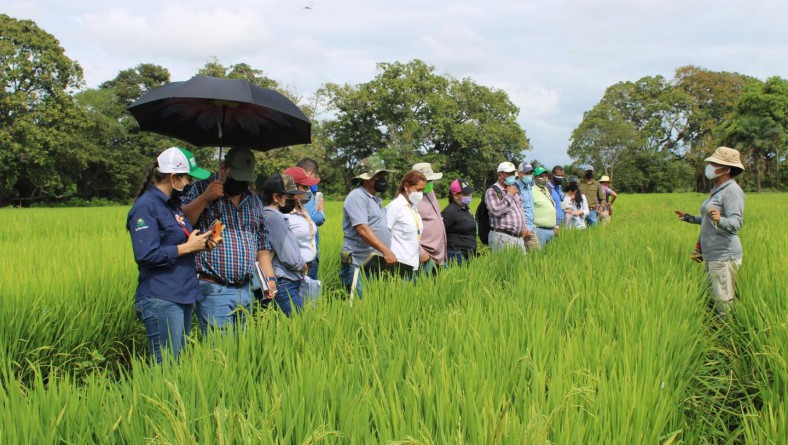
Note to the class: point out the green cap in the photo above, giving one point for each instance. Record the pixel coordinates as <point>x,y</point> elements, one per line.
<point>369,167</point>
<point>241,162</point>
<point>539,171</point>
<point>180,160</point>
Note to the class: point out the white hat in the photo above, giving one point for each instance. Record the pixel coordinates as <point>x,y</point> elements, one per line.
<point>506,167</point>
<point>426,169</point>
<point>726,156</point>
<point>179,160</point>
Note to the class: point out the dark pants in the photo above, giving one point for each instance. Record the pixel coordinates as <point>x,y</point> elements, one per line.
<point>166,325</point>
<point>313,268</point>
<point>288,295</point>
<point>458,256</point>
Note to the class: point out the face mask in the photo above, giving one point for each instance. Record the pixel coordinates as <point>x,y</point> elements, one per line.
<point>313,188</point>
<point>711,172</point>
<point>289,206</point>
<point>233,187</point>
<point>466,200</point>
<point>306,197</point>
<point>541,182</point>
<point>179,193</point>
<point>573,187</point>
<point>415,197</point>
<point>428,188</point>
<point>510,180</point>
<point>381,185</point>
<point>558,180</point>
<point>589,175</point>
<point>528,179</point>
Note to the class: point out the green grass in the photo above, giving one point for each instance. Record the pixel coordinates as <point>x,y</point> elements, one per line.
<point>601,338</point>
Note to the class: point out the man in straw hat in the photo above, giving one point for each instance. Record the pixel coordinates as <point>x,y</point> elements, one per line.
<point>721,217</point>
<point>364,222</point>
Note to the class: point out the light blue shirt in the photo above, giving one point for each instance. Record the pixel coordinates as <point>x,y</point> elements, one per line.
<point>558,198</point>
<point>528,203</point>
<point>362,207</point>
<point>317,217</point>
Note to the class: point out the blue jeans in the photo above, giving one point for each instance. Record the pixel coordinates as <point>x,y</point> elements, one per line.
<point>544,235</point>
<point>221,305</point>
<point>346,275</point>
<point>591,219</point>
<point>166,324</point>
<point>288,294</point>
<point>313,268</point>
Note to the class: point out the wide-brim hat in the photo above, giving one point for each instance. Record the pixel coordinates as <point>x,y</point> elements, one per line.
<point>604,178</point>
<point>726,156</point>
<point>426,169</point>
<point>369,167</point>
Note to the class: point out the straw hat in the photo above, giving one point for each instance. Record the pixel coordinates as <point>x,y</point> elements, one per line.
<point>726,156</point>
<point>604,178</point>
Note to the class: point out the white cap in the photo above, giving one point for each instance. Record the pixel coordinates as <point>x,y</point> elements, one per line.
<point>426,169</point>
<point>506,167</point>
<point>179,160</point>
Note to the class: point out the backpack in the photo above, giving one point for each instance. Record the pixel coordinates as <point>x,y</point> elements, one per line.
<point>483,217</point>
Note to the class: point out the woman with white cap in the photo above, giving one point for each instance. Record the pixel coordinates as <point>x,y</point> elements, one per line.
<point>164,248</point>
<point>721,217</point>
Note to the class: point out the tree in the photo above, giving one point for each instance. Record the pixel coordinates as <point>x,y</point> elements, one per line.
<point>604,138</point>
<point>39,149</point>
<point>410,114</point>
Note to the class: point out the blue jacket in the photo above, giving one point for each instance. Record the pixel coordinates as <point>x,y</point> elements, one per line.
<point>558,198</point>
<point>157,226</point>
<point>317,217</point>
<point>528,203</point>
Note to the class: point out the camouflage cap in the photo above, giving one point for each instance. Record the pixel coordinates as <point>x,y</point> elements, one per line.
<point>369,167</point>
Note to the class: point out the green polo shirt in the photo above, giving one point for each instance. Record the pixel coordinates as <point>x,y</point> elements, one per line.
<point>544,208</point>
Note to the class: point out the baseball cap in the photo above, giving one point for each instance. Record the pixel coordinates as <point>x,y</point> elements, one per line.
<point>180,160</point>
<point>525,167</point>
<point>506,167</point>
<point>300,177</point>
<point>572,179</point>
<point>587,167</point>
<point>369,167</point>
<point>241,162</point>
<point>426,169</point>
<point>539,171</point>
<point>460,186</point>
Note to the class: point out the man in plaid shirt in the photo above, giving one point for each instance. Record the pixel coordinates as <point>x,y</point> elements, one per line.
<point>226,271</point>
<point>507,217</point>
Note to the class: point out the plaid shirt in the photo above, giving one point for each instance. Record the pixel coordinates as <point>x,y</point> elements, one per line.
<point>506,213</point>
<point>244,234</point>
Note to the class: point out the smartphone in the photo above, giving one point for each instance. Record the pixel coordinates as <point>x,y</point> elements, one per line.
<point>212,224</point>
<point>318,196</point>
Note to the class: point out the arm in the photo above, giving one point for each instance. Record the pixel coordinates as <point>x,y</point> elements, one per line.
<point>369,237</point>
<point>498,207</point>
<point>319,217</point>
<point>265,258</point>
<point>145,240</point>
<point>585,211</point>
<point>198,199</point>
<point>686,217</point>
<point>733,216</point>
<point>613,196</point>
<point>283,244</point>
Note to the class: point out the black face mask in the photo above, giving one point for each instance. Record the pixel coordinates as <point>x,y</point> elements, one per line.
<point>381,185</point>
<point>290,204</point>
<point>573,187</point>
<point>589,175</point>
<point>233,187</point>
<point>557,180</point>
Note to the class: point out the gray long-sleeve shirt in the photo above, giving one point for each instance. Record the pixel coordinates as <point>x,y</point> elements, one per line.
<point>720,242</point>
<point>287,260</point>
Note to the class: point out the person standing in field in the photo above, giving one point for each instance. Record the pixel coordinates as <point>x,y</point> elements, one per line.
<point>364,222</point>
<point>575,206</point>
<point>524,183</point>
<point>507,218</point>
<point>433,239</point>
<point>279,198</point>
<point>721,217</point>
<point>610,197</point>
<point>592,190</point>
<point>405,223</point>
<point>164,248</point>
<point>556,178</point>
<point>315,206</point>
<point>545,212</point>
<point>302,225</point>
<point>460,223</point>
<point>225,272</point>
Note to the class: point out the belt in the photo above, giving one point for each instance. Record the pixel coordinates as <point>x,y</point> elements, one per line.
<point>212,279</point>
<point>507,232</point>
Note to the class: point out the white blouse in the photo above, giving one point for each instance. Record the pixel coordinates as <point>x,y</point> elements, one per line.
<point>304,230</point>
<point>571,221</point>
<point>406,226</point>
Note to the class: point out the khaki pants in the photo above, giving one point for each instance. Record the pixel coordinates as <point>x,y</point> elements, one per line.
<point>604,217</point>
<point>532,242</point>
<point>722,282</point>
<point>500,241</point>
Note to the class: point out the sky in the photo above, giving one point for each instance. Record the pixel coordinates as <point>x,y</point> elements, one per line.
<point>554,58</point>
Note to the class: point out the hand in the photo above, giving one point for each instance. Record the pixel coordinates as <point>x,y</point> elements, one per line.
<point>512,190</point>
<point>321,205</point>
<point>211,244</point>
<point>271,290</point>
<point>680,214</point>
<point>577,213</point>
<point>555,231</point>
<point>305,269</point>
<point>424,257</point>
<point>389,257</point>
<point>196,241</point>
<point>214,190</point>
<point>715,215</point>
<point>526,233</point>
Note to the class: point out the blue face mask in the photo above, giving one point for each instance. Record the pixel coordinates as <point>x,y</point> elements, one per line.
<point>510,180</point>
<point>313,188</point>
<point>528,179</point>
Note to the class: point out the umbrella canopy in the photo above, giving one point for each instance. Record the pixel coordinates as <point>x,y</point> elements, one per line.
<point>209,111</point>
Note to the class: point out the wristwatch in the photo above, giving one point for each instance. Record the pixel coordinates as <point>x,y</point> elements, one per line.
<point>270,278</point>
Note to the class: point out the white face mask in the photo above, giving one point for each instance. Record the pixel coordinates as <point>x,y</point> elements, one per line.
<point>711,172</point>
<point>415,197</point>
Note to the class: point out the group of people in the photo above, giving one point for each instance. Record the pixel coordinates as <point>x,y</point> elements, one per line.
<point>270,241</point>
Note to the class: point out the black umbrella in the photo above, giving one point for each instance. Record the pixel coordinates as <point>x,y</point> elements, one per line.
<point>209,111</point>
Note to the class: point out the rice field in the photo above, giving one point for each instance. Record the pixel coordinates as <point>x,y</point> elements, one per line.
<point>603,338</point>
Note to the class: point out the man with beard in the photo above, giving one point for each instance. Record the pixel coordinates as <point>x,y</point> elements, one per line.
<point>592,190</point>
<point>226,271</point>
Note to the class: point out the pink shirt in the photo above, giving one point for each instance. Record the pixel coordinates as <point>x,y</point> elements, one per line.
<point>433,240</point>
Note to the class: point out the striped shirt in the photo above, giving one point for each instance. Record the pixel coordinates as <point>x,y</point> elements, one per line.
<point>244,235</point>
<point>506,213</point>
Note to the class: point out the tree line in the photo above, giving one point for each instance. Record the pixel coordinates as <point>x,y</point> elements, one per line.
<point>63,143</point>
